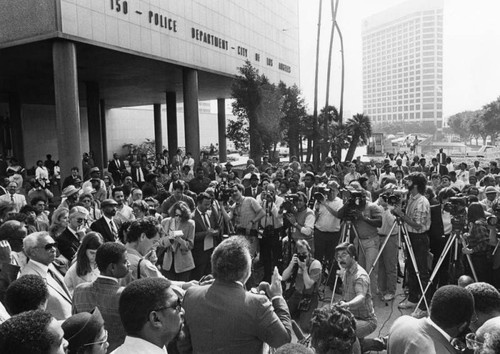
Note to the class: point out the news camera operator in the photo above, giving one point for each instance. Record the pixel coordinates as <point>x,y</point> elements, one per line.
<point>327,225</point>
<point>387,263</point>
<point>366,218</point>
<point>418,220</point>
<point>245,215</point>
<point>301,218</point>
<point>478,243</point>
<point>271,229</point>
<point>304,272</point>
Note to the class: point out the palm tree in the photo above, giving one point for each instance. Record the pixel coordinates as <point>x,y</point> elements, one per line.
<point>360,129</point>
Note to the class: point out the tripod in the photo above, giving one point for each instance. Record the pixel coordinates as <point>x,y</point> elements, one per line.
<point>457,234</point>
<point>403,232</point>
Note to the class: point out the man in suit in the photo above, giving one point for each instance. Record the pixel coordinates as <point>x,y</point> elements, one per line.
<point>437,168</point>
<point>200,182</point>
<point>138,173</point>
<point>4,182</point>
<point>309,189</point>
<point>69,241</point>
<point>441,157</point>
<point>205,236</point>
<point>106,225</point>
<point>41,249</point>
<point>451,311</point>
<point>17,200</point>
<point>254,189</point>
<point>104,293</point>
<point>399,167</point>
<point>245,320</point>
<point>116,167</point>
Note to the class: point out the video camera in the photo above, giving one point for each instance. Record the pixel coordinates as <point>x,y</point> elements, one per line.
<point>288,205</point>
<point>223,191</point>
<point>353,200</point>
<point>394,198</point>
<point>457,207</point>
<point>322,193</point>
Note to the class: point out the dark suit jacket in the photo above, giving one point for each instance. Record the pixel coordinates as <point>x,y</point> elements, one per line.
<point>310,202</point>
<point>409,335</point>
<point>133,173</point>
<point>116,171</point>
<point>103,228</point>
<point>405,169</point>
<point>59,304</point>
<point>201,231</point>
<point>68,244</point>
<point>70,181</point>
<point>225,318</point>
<point>248,191</point>
<point>104,294</point>
<point>442,170</point>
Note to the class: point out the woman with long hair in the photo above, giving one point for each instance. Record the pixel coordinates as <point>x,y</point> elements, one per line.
<point>84,269</point>
<point>178,241</point>
<point>478,243</point>
<point>59,222</point>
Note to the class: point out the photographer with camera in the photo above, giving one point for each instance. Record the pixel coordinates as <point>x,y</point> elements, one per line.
<point>366,217</point>
<point>301,218</point>
<point>271,229</point>
<point>418,221</point>
<point>245,214</point>
<point>478,243</point>
<point>327,225</point>
<point>304,272</point>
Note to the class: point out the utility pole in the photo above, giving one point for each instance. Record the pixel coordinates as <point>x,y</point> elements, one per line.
<point>315,112</point>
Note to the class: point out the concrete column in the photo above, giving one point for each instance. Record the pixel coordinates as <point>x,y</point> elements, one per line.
<point>221,119</point>
<point>173,142</point>
<point>191,117</point>
<point>67,105</point>
<point>16,128</point>
<point>94,123</point>
<point>158,132</point>
<point>102,107</point>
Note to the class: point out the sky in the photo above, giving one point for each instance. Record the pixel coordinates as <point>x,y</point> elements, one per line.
<point>471,54</point>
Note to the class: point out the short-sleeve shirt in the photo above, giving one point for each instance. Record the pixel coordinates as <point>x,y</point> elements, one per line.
<point>244,211</point>
<point>419,210</point>
<point>356,279</point>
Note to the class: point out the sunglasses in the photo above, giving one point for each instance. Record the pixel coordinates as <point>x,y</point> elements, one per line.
<point>80,220</point>
<point>49,246</point>
<point>177,306</point>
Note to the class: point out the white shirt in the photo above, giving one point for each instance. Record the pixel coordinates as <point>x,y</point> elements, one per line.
<point>325,221</point>
<point>134,345</point>
<point>17,200</point>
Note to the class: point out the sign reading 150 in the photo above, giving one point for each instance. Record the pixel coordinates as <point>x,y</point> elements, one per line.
<point>119,6</point>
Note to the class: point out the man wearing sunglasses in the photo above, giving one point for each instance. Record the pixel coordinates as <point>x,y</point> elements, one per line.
<point>41,250</point>
<point>69,241</point>
<point>152,315</point>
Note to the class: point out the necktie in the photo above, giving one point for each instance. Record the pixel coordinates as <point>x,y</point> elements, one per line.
<point>12,198</point>
<point>118,163</point>
<point>254,192</point>
<point>206,221</point>
<point>113,228</point>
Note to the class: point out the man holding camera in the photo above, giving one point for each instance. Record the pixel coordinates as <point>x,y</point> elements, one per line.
<point>302,220</point>
<point>327,225</point>
<point>418,221</point>
<point>367,217</point>
<point>272,228</point>
<point>245,214</point>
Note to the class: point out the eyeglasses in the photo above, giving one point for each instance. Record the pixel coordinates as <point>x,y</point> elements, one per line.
<point>177,306</point>
<point>101,342</point>
<point>49,246</point>
<point>341,255</point>
<point>80,220</point>
<point>472,343</point>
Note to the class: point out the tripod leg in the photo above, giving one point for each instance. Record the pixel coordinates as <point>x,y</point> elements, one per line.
<point>414,262</point>
<point>446,249</point>
<point>334,288</point>
<point>382,248</point>
<point>464,244</point>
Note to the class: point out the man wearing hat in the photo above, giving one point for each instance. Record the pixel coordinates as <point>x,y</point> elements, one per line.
<point>85,330</point>
<point>106,225</point>
<point>69,197</point>
<point>95,174</point>
<point>254,189</point>
<point>491,194</point>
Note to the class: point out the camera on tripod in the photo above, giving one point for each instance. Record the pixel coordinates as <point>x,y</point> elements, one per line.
<point>288,205</point>
<point>354,200</point>
<point>321,194</point>
<point>457,207</point>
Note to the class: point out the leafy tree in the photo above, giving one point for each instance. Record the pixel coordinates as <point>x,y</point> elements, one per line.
<point>294,111</point>
<point>475,124</point>
<point>360,130</point>
<point>237,132</point>
<point>491,118</point>
<point>258,103</point>
<point>458,123</point>
<point>326,118</point>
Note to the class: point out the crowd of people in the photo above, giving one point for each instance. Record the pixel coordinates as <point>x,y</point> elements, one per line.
<point>200,257</point>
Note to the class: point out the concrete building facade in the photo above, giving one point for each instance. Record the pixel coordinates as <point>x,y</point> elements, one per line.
<point>403,63</point>
<point>64,64</point>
